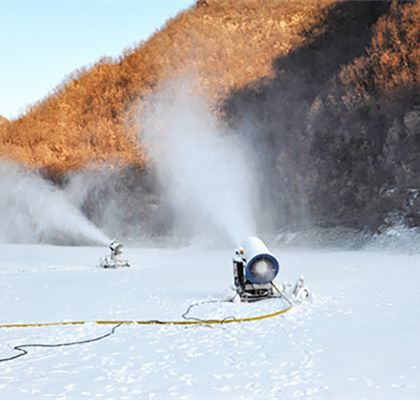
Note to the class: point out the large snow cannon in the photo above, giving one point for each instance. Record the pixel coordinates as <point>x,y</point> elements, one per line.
<point>254,269</point>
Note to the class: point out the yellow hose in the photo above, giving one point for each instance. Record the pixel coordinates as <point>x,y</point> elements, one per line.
<point>152,322</point>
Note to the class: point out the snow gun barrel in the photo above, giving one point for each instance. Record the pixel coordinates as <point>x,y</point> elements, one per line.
<point>261,266</point>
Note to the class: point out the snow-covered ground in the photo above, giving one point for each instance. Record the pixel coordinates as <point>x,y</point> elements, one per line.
<point>359,338</point>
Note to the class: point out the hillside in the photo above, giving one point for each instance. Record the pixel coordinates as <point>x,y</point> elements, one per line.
<point>325,93</point>
<point>3,120</point>
<point>226,44</point>
<point>339,124</point>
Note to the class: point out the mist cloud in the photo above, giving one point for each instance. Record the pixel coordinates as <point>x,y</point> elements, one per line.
<point>32,210</point>
<point>204,170</point>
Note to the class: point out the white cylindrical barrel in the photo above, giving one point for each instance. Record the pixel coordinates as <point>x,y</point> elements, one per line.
<point>260,264</point>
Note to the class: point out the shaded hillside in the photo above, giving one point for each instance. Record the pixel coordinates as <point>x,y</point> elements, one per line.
<point>226,45</point>
<point>366,131</point>
<point>339,125</point>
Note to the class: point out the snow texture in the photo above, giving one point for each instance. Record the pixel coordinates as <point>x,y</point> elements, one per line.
<point>358,339</point>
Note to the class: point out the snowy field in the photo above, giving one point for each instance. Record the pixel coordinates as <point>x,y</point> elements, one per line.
<point>358,339</point>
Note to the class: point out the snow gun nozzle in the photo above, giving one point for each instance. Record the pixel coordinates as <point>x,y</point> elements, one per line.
<point>254,269</point>
<point>116,247</point>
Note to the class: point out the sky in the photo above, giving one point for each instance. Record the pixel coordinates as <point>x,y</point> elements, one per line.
<point>41,42</point>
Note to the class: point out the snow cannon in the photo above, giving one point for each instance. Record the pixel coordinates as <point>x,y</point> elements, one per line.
<point>254,269</point>
<point>114,259</point>
<point>116,248</point>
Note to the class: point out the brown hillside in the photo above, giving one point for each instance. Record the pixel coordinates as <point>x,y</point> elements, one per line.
<point>3,120</point>
<point>227,44</point>
<point>391,62</point>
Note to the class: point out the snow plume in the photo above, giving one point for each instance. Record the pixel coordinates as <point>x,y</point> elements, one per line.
<point>204,169</point>
<point>120,200</point>
<point>33,210</point>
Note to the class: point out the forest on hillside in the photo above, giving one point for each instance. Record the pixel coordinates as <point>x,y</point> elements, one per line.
<point>325,92</point>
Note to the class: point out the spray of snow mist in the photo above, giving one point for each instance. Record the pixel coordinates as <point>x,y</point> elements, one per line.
<point>33,210</point>
<point>203,168</point>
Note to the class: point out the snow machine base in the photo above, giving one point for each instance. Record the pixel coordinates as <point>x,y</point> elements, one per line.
<point>252,293</point>
<point>113,265</point>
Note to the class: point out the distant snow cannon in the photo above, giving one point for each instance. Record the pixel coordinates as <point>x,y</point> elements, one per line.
<point>114,259</point>
<point>254,269</point>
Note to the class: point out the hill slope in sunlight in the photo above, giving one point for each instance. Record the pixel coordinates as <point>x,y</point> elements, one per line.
<point>91,116</point>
